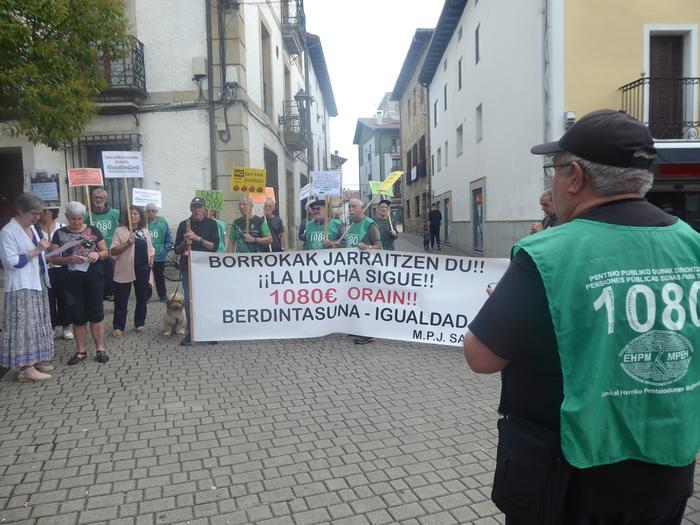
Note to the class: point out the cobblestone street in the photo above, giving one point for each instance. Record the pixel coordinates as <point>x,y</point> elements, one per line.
<point>266,433</point>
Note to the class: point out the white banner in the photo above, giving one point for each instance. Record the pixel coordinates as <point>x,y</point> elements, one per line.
<point>141,197</point>
<point>394,295</point>
<point>304,192</point>
<point>327,182</point>
<point>120,164</point>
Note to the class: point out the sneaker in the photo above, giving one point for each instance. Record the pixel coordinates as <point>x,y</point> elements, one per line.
<point>102,357</point>
<point>44,367</point>
<point>67,334</point>
<point>186,341</point>
<point>58,332</point>
<point>116,332</point>
<point>31,374</point>
<point>77,358</point>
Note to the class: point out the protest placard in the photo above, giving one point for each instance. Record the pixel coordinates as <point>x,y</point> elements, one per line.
<point>374,186</point>
<point>260,199</point>
<point>142,197</point>
<point>304,192</point>
<point>405,296</point>
<point>387,183</point>
<point>44,183</point>
<point>213,199</point>
<point>327,182</point>
<point>122,164</point>
<point>84,177</point>
<point>248,180</point>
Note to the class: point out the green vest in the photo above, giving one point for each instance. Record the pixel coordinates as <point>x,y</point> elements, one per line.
<point>624,305</point>
<point>315,232</point>
<point>107,223</point>
<point>357,232</point>
<point>157,230</point>
<point>222,236</point>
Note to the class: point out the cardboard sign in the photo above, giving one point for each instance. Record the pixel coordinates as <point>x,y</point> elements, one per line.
<point>84,177</point>
<point>260,199</point>
<point>121,164</point>
<point>248,180</point>
<point>213,199</point>
<point>141,197</point>
<point>327,182</point>
<point>374,185</point>
<point>304,192</point>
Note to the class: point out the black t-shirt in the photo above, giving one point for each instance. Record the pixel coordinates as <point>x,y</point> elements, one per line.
<point>207,229</point>
<point>532,385</point>
<point>277,230</point>
<point>89,238</point>
<point>434,218</point>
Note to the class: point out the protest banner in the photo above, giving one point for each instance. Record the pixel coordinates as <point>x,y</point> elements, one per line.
<point>327,182</point>
<point>304,192</point>
<point>85,177</point>
<point>404,296</point>
<point>374,187</point>
<point>122,164</point>
<point>45,184</point>
<point>248,180</point>
<point>142,197</point>
<point>213,199</point>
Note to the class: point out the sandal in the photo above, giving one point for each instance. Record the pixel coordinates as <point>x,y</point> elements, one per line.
<point>140,329</point>
<point>116,333</point>
<point>78,357</point>
<point>101,356</point>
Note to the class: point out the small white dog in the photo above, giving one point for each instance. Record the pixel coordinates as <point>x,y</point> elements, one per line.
<point>174,320</point>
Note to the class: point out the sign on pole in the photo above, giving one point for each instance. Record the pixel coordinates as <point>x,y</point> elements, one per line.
<point>248,180</point>
<point>327,182</point>
<point>387,184</point>
<point>142,197</point>
<point>84,177</point>
<point>260,199</point>
<point>121,164</point>
<point>304,192</point>
<point>213,199</point>
<point>374,186</point>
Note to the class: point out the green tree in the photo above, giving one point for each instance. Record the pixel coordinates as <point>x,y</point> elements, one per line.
<point>49,71</point>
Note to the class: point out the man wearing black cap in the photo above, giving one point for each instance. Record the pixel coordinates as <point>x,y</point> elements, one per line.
<point>203,234</point>
<point>594,328</point>
<point>315,235</point>
<point>387,232</point>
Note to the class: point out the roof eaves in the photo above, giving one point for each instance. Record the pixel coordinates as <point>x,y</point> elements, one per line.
<point>318,60</point>
<point>420,40</point>
<point>449,18</point>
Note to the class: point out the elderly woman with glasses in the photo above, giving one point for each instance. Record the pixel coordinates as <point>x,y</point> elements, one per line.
<point>85,280</point>
<point>27,338</point>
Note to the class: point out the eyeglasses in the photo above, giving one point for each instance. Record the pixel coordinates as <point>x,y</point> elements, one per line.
<point>550,169</point>
<point>315,209</point>
<point>151,211</point>
<point>35,213</point>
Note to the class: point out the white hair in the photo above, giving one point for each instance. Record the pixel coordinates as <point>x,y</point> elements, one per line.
<point>74,209</point>
<point>613,180</point>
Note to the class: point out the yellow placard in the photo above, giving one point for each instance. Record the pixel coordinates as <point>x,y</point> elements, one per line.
<point>386,185</point>
<point>248,180</point>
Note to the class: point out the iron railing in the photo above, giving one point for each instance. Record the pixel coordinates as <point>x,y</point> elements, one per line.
<point>667,105</point>
<point>293,25</point>
<point>126,75</point>
<point>293,124</point>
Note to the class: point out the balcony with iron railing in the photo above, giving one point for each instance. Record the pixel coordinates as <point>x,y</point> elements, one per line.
<point>293,125</point>
<point>125,75</point>
<point>293,26</point>
<point>668,106</point>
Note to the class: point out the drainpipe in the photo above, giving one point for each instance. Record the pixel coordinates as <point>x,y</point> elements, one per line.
<point>210,99</point>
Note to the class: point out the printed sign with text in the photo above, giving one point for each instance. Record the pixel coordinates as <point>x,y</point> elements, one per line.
<point>248,180</point>
<point>121,164</point>
<point>84,177</point>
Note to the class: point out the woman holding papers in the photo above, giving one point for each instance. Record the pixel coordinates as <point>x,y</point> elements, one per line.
<point>133,254</point>
<point>83,251</point>
<point>27,339</point>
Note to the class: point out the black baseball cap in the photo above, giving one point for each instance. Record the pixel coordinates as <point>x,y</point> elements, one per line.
<point>317,202</point>
<point>197,201</point>
<point>385,201</point>
<point>608,137</point>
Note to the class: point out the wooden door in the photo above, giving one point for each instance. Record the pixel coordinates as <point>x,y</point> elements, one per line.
<point>666,87</point>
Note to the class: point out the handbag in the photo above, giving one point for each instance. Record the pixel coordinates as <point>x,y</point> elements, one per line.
<point>532,475</point>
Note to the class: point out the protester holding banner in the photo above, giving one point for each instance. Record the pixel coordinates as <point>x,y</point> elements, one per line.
<point>84,279</point>
<point>316,229</point>
<point>593,327</point>
<point>362,232</point>
<point>162,241</point>
<point>26,340</point>
<point>60,320</point>
<point>387,232</point>
<point>249,233</point>
<point>276,226</point>
<point>202,235</point>
<point>106,220</point>
<point>133,254</point>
